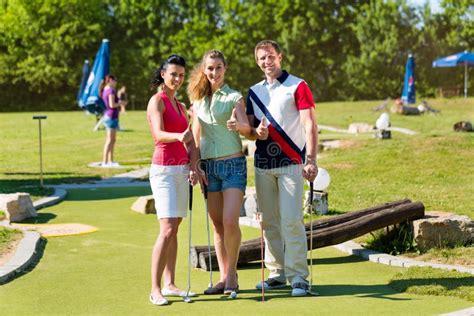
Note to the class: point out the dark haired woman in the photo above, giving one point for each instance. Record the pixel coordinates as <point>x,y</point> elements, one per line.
<point>219,117</point>
<point>111,119</point>
<point>173,164</point>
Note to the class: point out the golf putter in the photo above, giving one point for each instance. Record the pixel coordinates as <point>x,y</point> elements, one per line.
<point>258,217</point>
<point>186,298</point>
<point>208,237</point>
<point>310,290</point>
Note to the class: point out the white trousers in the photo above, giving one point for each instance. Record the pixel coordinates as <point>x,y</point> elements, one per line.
<point>279,198</point>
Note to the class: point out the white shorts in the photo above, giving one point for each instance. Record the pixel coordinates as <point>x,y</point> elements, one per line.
<point>170,188</point>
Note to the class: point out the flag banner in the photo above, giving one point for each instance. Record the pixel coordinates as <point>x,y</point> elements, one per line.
<point>90,99</point>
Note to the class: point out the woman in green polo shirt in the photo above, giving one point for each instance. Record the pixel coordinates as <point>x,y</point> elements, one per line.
<point>219,117</point>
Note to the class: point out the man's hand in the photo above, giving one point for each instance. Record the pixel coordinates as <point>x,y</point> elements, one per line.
<point>310,170</point>
<point>262,129</point>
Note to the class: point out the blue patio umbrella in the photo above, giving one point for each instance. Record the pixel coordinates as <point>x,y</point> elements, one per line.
<point>85,75</point>
<point>460,59</point>
<point>409,93</point>
<point>90,98</point>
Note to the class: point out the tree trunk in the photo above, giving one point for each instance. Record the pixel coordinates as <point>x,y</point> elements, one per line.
<point>332,235</point>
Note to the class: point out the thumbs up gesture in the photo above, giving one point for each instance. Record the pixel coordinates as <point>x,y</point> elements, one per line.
<point>262,129</point>
<point>187,135</point>
<point>232,123</point>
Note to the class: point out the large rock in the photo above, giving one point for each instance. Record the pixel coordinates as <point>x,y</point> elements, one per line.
<point>144,205</point>
<point>356,128</point>
<point>440,229</point>
<point>320,202</point>
<point>17,206</point>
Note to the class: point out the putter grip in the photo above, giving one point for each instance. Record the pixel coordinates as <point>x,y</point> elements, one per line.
<point>204,169</point>
<point>190,197</point>
<point>204,187</point>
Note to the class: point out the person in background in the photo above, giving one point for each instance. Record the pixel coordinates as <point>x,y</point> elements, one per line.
<point>219,117</point>
<point>123,98</point>
<point>173,165</point>
<point>110,120</point>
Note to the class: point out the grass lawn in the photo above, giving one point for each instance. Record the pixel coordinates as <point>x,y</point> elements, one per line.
<point>7,236</point>
<point>434,167</point>
<point>107,272</point>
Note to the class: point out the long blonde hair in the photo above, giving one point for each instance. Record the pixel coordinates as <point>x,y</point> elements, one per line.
<point>198,86</point>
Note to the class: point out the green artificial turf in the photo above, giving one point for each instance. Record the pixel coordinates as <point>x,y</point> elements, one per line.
<point>107,272</point>
<point>430,281</point>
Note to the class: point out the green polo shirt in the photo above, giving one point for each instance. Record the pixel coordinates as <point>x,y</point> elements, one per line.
<point>216,140</point>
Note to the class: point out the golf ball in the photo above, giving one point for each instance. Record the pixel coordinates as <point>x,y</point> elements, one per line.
<point>233,295</point>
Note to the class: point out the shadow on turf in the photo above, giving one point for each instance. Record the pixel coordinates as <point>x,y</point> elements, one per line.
<point>316,261</point>
<point>42,218</point>
<point>106,193</point>
<point>16,185</point>
<point>446,283</point>
<point>381,291</point>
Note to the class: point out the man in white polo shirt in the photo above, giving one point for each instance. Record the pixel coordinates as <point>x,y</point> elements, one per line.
<point>281,112</point>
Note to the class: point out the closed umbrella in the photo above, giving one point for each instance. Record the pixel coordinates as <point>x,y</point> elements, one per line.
<point>460,59</point>
<point>409,93</point>
<point>90,98</point>
<point>85,75</point>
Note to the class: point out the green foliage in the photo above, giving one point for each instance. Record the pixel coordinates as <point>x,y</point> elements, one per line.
<point>35,192</point>
<point>393,240</point>
<point>353,49</point>
<point>385,32</point>
<point>7,235</point>
<point>430,281</point>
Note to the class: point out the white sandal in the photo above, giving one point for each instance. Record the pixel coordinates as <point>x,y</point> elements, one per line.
<point>159,302</point>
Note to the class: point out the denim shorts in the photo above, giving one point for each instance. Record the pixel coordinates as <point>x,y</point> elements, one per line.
<point>111,123</point>
<point>226,174</point>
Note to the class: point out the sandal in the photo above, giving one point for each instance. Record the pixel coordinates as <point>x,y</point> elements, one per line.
<point>215,290</point>
<point>229,290</point>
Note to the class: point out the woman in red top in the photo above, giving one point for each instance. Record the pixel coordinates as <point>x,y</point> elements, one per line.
<point>172,166</point>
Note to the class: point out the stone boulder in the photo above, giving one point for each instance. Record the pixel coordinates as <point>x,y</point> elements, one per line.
<point>441,229</point>
<point>356,128</point>
<point>144,205</point>
<point>17,206</point>
<point>320,202</point>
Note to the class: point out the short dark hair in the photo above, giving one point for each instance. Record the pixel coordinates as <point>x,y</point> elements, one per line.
<point>266,43</point>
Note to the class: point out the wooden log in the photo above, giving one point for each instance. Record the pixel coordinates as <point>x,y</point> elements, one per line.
<point>340,233</point>
<point>335,234</point>
<point>336,220</point>
<point>325,222</point>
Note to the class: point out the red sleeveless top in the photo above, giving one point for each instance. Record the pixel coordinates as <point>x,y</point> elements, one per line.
<point>173,153</point>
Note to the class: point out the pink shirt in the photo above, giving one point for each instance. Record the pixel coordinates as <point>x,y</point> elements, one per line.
<point>173,153</point>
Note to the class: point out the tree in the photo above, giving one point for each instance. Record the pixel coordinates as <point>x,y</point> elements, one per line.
<point>385,33</point>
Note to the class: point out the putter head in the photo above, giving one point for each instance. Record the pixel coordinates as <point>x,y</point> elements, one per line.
<point>312,293</point>
<point>187,299</point>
